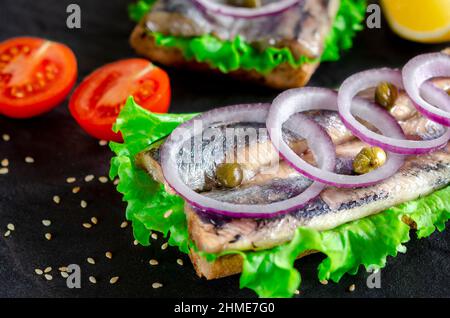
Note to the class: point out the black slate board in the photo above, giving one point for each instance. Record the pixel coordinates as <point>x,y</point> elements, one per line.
<point>61,150</point>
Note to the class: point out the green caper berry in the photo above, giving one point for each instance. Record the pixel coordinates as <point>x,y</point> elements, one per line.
<point>229,175</point>
<point>368,159</point>
<point>245,3</point>
<point>448,91</point>
<point>386,94</point>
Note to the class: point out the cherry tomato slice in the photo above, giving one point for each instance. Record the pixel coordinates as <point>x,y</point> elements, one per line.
<point>35,76</point>
<point>97,101</point>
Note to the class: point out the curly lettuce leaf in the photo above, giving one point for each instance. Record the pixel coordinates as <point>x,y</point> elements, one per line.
<point>237,54</point>
<point>139,9</point>
<point>367,242</point>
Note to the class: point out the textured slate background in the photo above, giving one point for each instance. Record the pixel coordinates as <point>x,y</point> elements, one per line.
<point>61,150</point>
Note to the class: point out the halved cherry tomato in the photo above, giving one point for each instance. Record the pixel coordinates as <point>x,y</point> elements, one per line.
<point>35,76</point>
<point>97,101</point>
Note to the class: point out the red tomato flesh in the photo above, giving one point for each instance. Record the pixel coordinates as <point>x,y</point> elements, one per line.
<point>97,101</point>
<point>35,76</point>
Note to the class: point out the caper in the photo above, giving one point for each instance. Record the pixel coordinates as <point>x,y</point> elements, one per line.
<point>245,3</point>
<point>386,94</point>
<point>229,175</point>
<point>368,159</point>
<point>448,91</point>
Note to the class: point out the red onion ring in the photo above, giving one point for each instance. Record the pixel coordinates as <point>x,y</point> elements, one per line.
<point>323,149</point>
<point>371,78</point>
<point>306,99</point>
<point>419,70</point>
<point>247,13</point>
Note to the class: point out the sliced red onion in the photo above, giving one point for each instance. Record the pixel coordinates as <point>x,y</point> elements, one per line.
<point>248,13</point>
<point>419,70</point>
<point>306,99</point>
<point>256,113</point>
<point>368,79</point>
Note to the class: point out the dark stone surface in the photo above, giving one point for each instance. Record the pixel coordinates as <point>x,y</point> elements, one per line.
<point>61,150</point>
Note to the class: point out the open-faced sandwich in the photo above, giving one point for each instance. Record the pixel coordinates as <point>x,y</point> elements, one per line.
<point>278,43</point>
<point>250,188</point>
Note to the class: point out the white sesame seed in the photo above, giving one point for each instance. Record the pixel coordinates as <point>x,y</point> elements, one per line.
<point>4,170</point>
<point>7,233</point>
<point>167,214</point>
<point>29,159</point>
<point>124,224</point>
<point>47,270</point>
<point>46,222</point>
<point>63,269</point>
<point>102,143</point>
<point>64,274</point>
<point>87,225</point>
<point>48,277</point>
<point>157,285</point>
<point>56,199</point>
<point>153,262</point>
<point>108,255</point>
<point>114,279</point>
<point>324,282</point>
<point>83,204</point>
<point>93,280</point>
<point>5,163</point>
<point>6,137</point>
<point>116,181</point>
<point>90,260</point>
<point>297,292</point>
<point>352,288</point>
<point>94,220</point>
<point>180,262</point>
<point>89,178</point>
<point>38,271</point>
<point>71,180</point>
<point>103,179</point>
<point>48,236</point>
<point>75,190</point>
<point>135,242</point>
<point>11,227</point>
<point>164,246</point>
<point>154,236</point>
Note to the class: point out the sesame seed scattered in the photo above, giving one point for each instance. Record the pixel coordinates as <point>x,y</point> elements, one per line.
<point>83,204</point>
<point>47,270</point>
<point>75,190</point>
<point>297,292</point>
<point>153,262</point>
<point>7,233</point>
<point>90,260</point>
<point>48,277</point>
<point>93,280</point>
<point>5,163</point>
<point>167,214</point>
<point>56,199</point>
<point>135,242</point>
<point>180,262</point>
<point>324,282</point>
<point>94,220</point>
<point>48,236</point>
<point>116,182</point>
<point>103,179</point>
<point>352,288</point>
<point>71,180</point>
<point>63,269</point>
<point>38,271</point>
<point>154,236</point>
<point>46,222</point>
<point>11,227</point>
<point>6,137</point>
<point>164,246</point>
<point>4,170</point>
<point>157,285</point>
<point>64,274</point>
<point>29,159</point>
<point>124,224</point>
<point>102,143</point>
<point>114,279</point>
<point>89,178</point>
<point>87,225</point>
<point>108,255</point>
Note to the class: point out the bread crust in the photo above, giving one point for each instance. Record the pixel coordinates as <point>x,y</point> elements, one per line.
<point>283,76</point>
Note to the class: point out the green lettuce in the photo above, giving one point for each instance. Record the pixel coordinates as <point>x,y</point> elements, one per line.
<point>367,242</point>
<point>237,54</point>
